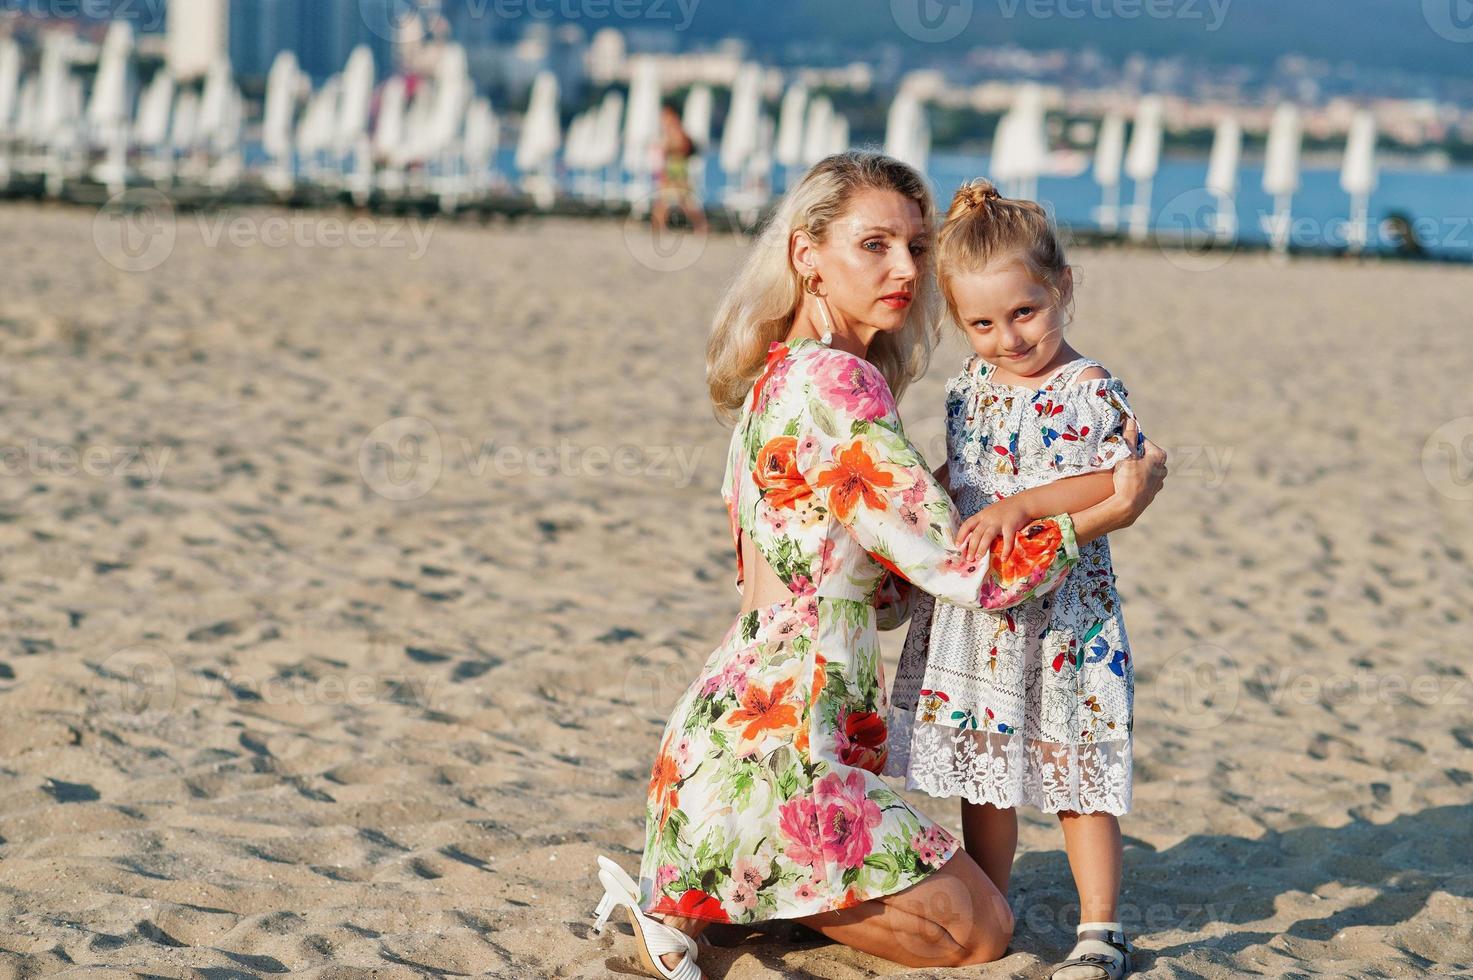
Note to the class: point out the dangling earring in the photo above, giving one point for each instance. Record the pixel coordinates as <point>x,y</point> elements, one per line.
<point>810,285</point>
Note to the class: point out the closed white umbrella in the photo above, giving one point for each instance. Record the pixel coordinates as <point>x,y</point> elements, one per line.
<point>151,128</point>
<point>1222,173</point>
<point>1141,160</point>
<point>10,66</point>
<point>696,116</point>
<point>1281,172</point>
<point>791,130</point>
<point>642,128</point>
<point>818,131</point>
<point>480,142</point>
<point>110,110</point>
<point>282,85</point>
<point>740,136</point>
<point>907,132</point>
<point>604,149</point>
<point>540,139</point>
<point>1108,163</point>
<point>838,133</point>
<point>1358,174</point>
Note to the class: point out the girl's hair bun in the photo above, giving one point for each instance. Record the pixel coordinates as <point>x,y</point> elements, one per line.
<point>972,196</point>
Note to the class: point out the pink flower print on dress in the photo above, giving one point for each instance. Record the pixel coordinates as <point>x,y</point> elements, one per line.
<point>961,564</point>
<point>664,875</point>
<point>805,892</point>
<point>803,844</point>
<point>749,872</point>
<point>848,814</point>
<point>855,385</point>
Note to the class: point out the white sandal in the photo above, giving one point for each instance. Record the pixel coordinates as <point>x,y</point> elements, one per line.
<point>1101,952</point>
<point>627,882</point>
<point>655,938</point>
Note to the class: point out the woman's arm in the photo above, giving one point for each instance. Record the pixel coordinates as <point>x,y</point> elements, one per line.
<point>853,453</point>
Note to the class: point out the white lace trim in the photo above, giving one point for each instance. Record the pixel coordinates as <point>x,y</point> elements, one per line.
<point>1009,770</point>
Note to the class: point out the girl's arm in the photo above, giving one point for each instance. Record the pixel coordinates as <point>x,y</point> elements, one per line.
<point>852,452</point>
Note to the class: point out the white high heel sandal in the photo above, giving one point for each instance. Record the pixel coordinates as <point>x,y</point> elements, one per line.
<point>655,939</point>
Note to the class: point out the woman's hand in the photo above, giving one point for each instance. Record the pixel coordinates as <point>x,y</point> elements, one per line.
<point>1139,479</point>
<point>1003,519</point>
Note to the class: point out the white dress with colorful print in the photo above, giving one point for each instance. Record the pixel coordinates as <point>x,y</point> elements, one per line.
<point>765,800</point>
<point>1034,706</point>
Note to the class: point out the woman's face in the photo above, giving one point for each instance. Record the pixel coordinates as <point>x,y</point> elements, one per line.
<point>869,268</point>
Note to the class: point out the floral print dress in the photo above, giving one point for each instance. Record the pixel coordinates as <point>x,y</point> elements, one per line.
<point>1034,706</point>
<point>765,800</point>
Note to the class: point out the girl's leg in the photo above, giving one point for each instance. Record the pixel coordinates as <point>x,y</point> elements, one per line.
<point>991,837</point>
<point>1093,843</point>
<point>954,916</point>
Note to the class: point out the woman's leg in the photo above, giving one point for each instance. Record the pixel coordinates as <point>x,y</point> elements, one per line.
<point>1093,843</point>
<point>991,836</point>
<point>691,927</point>
<point>954,916</point>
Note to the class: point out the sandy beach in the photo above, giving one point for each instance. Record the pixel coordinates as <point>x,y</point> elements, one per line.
<point>348,581</point>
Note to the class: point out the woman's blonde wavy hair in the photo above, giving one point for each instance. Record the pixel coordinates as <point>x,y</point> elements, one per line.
<point>762,299</point>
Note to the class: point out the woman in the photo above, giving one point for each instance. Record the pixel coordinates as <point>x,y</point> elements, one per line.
<point>764,801</point>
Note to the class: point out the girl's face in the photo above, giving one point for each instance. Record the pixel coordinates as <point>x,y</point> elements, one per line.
<point>1012,320</point>
<point>872,262</point>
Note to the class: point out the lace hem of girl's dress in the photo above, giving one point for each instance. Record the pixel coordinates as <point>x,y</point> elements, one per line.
<point>1009,770</point>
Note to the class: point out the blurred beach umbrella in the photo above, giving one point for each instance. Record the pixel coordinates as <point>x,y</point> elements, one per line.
<point>642,130</point>
<point>1020,144</point>
<point>1281,172</point>
<point>1141,160</point>
<point>817,131</point>
<point>439,139</point>
<point>388,134</point>
<point>907,130</point>
<point>792,131</point>
<point>10,69</point>
<point>110,110</point>
<point>1108,162</point>
<point>696,116</point>
<point>540,139</point>
<point>315,130</point>
<point>1222,174</point>
<point>604,151</point>
<point>580,152</point>
<point>10,66</point>
<point>1358,174</point>
<point>151,128</point>
<point>838,133</point>
<point>739,136</point>
<point>217,135</point>
<point>283,83</point>
<point>53,129</point>
<point>700,106</point>
<point>183,121</point>
<point>351,147</point>
<point>482,137</point>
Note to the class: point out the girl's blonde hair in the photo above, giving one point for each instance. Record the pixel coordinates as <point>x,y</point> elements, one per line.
<point>761,301</point>
<point>981,226</point>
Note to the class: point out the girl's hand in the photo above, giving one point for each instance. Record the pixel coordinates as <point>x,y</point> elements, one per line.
<point>1003,519</point>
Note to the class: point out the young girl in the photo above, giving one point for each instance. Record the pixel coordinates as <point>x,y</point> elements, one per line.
<point>1032,706</point>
